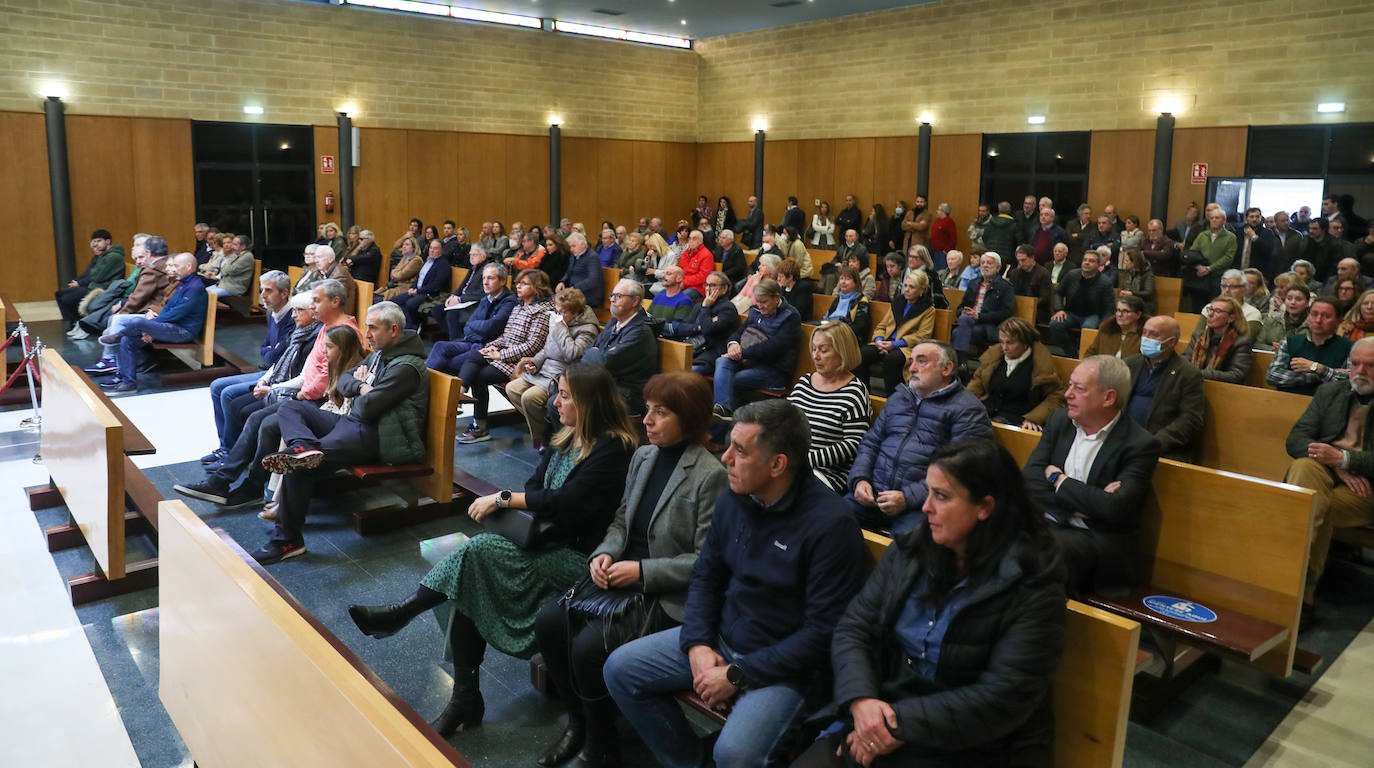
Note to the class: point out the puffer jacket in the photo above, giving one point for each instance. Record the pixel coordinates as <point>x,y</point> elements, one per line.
<point>778,349</point>
<point>895,453</point>
<point>989,702</point>
<point>563,347</point>
<point>708,329</point>
<point>398,402</point>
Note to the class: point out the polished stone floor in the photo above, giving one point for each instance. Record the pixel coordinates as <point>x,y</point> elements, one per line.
<point>100,661</point>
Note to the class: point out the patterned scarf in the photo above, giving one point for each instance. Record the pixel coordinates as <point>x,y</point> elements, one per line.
<point>1205,340</point>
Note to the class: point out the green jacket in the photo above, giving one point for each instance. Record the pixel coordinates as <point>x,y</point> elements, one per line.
<point>1325,420</point>
<point>398,402</point>
<point>104,268</point>
<point>1220,252</point>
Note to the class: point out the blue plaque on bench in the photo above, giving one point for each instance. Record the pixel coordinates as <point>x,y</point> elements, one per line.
<point>1178,608</point>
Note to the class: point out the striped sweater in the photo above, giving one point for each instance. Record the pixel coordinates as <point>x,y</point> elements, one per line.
<point>838,421</point>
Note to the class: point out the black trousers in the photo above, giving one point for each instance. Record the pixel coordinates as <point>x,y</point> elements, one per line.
<point>260,435</point>
<point>478,374</point>
<point>894,365</point>
<point>68,299</point>
<point>343,439</point>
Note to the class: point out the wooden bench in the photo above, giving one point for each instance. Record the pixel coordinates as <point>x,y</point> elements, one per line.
<point>609,276</point>
<point>200,355</point>
<point>1090,692</point>
<point>236,651</point>
<point>365,292</point>
<point>1168,291</point>
<point>674,356</point>
<point>1026,306</point>
<point>430,484</point>
<point>107,497</point>
<point>1190,547</point>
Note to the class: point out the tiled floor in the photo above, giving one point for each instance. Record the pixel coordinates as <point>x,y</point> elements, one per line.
<point>97,665</point>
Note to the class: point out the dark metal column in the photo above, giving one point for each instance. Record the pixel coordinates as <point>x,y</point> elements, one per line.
<point>1164,158</point>
<point>923,161</point>
<point>59,182</point>
<point>758,166</point>
<point>555,173</point>
<point>345,172</point>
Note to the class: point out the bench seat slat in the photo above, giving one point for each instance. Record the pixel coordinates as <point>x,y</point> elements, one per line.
<point>1234,634</point>
<point>383,471</point>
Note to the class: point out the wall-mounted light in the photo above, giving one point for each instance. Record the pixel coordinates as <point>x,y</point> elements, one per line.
<point>285,146</point>
<point>1331,106</point>
<point>760,124</point>
<point>992,153</point>
<point>926,119</point>
<point>555,120</point>
<point>1168,106</point>
<point>1036,120</point>
<point>252,110</point>
<point>51,89</point>
<point>348,109</point>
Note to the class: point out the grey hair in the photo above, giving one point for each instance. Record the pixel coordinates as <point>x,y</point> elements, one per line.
<point>770,260</point>
<point>576,237</point>
<point>310,248</point>
<point>1363,342</point>
<point>1155,221</point>
<point>783,429</point>
<point>367,234</point>
<point>947,353</point>
<point>500,269</point>
<point>1112,373</point>
<point>1004,207</point>
<point>388,312</point>
<point>631,287</point>
<point>1051,210</point>
<point>333,289</point>
<point>1303,263</point>
<point>726,234</point>
<point>141,235</point>
<point>997,257</point>
<point>1084,207</point>
<point>302,300</point>
<point>1233,274</point>
<point>1104,251</point>
<point>944,207</point>
<point>767,287</point>
<point>324,250</point>
<point>478,248</point>
<point>154,245</point>
<point>277,278</point>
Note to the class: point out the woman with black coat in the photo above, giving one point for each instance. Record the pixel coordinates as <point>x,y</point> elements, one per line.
<point>946,655</point>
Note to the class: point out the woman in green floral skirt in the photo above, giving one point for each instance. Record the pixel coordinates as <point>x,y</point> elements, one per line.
<point>496,587</point>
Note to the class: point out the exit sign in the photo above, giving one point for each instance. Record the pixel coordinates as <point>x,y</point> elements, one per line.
<point>327,164</point>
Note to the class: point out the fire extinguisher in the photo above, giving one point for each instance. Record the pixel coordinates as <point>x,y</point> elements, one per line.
<point>329,201</point>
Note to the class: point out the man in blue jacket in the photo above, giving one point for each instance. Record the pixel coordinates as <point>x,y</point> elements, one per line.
<point>487,322</point>
<point>988,301</point>
<point>763,353</point>
<point>584,271</point>
<point>780,562</point>
<point>887,484</point>
<point>180,320</point>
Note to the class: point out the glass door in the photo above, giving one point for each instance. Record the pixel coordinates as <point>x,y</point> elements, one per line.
<point>258,180</point>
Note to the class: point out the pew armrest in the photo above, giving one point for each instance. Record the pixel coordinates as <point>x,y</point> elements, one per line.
<point>1233,634</point>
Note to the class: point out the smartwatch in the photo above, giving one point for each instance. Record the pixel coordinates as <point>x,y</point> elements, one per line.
<point>503,499</point>
<point>734,675</point>
<point>1054,477</point>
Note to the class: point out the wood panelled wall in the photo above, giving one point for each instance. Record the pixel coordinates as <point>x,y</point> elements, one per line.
<point>622,180</point>
<point>1120,172</point>
<point>1223,149</point>
<point>28,267</point>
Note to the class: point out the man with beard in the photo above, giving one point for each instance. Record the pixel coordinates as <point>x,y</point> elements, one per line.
<point>916,224</point>
<point>849,218</point>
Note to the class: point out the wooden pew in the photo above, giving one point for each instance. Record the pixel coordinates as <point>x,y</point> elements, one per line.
<point>1086,337</point>
<point>609,276</point>
<point>201,352</point>
<point>249,677</point>
<point>1026,306</point>
<point>82,446</point>
<point>674,356</point>
<point>294,273</point>
<point>365,291</point>
<point>1168,291</point>
<point>1244,429</point>
<point>430,482</point>
<point>1187,323</point>
<point>1191,549</point>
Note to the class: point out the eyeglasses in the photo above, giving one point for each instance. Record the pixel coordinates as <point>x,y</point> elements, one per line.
<point>1231,286</point>
<point>618,296</point>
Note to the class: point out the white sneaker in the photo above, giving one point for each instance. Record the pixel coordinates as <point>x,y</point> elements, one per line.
<point>78,333</point>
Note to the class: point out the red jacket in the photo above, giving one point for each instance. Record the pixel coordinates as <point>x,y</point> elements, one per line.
<point>943,235</point>
<point>696,264</point>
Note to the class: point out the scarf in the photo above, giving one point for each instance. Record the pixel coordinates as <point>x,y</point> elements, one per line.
<point>1205,340</point>
<point>843,302</point>
<point>282,370</point>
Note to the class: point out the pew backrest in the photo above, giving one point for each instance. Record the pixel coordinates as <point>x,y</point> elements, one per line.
<point>445,392</point>
<point>1244,429</point>
<point>365,292</point>
<point>674,355</point>
<point>1168,292</point>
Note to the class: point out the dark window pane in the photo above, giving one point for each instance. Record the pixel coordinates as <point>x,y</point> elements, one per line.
<point>226,219</point>
<point>1286,151</point>
<point>1352,149</point>
<point>1062,152</point>
<point>287,187</point>
<point>290,227</point>
<point>222,142</point>
<point>1067,196</point>
<point>1008,153</point>
<point>997,189</point>
<point>285,144</point>
<point>225,187</point>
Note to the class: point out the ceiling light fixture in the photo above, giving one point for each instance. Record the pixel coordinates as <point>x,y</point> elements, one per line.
<point>1036,120</point>
<point>1331,106</point>
<point>252,110</point>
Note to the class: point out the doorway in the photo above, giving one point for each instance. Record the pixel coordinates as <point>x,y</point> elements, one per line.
<point>258,180</point>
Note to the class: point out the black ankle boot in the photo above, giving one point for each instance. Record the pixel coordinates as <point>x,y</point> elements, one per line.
<point>465,706</point>
<point>601,750</point>
<point>386,620</point>
<point>567,746</point>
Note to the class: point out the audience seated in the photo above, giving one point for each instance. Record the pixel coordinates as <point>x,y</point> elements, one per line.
<point>914,686</point>
<point>152,284</point>
<point>329,269</point>
<point>912,318</point>
<point>309,275</point>
<point>1032,280</point>
<point>487,321</point>
<point>779,562</point>
<point>851,306</point>
<point>1213,251</point>
<point>1082,300</point>
<point>956,274</point>
<point>1359,321</point>
<point>1256,292</point>
<point>557,255</point>
<point>673,303</point>
<point>1334,456</point>
<point>796,291</point>
<point>1119,335</point>
<point>631,261</point>
<point>1221,348</point>
<point>1304,361</point>
<point>710,325</point>
<point>696,262</point>
<point>364,258</point>
<point>494,598</point>
<point>382,419</point>
<point>835,403</point>
<point>859,263</point>
<point>887,481</point>
<point>1136,278</point>
<point>536,376</point>
<point>529,256</point>
<point>1290,320</point>
<point>626,346</point>
<point>1234,285</point>
<point>987,302</point>
<point>97,307</point>
<point>406,269</point>
<point>584,271</point>
<point>234,398</point>
<point>1016,378</point>
<point>452,314</point>
<point>731,257</point>
<point>431,281</point>
<point>762,353</point>
<point>1104,236</point>
<point>830,270</point>
<point>1166,396</point>
<point>494,364</point>
<point>644,563</point>
<point>106,265</point>
<point>233,274</point>
<point>1090,474</point>
<point>336,341</point>
<point>918,259</point>
<point>608,251</point>
<point>180,320</point>
<point>767,269</point>
<point>890,278</point>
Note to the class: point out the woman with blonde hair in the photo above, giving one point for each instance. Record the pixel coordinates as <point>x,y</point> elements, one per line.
<point>835,402</point>
<point>535,379</point>
<point>1256,292</point>
<point>403,276</point>
<point>1359,321</point>
<point>1282,282</point>
<point>1221,348</point>
<point>912,318</point>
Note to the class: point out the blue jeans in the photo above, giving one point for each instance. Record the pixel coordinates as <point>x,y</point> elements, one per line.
<point>1059,331</point>
<point>222,391</point>
<point>731,374</point>
<point>131,343</point>
<point>113,327</point>
<point>968,331</point>
<point>643,676</point>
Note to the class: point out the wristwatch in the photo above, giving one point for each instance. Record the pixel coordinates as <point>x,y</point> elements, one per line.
<point>1054,477</point>
<point>1313,367</point>
<point>734,675</point>
<point>503,499</point>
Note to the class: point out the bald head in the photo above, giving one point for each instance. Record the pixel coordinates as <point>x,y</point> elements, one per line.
<point>1163,328</point>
